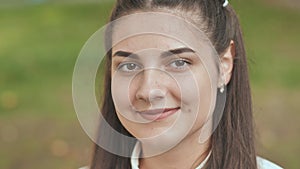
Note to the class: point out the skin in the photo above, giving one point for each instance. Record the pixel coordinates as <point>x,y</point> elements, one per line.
<point>143,81</point>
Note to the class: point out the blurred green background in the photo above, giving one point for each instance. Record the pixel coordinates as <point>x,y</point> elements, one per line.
<point>40,41</point>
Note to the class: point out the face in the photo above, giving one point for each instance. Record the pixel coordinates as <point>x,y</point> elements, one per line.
<point>161,88</point>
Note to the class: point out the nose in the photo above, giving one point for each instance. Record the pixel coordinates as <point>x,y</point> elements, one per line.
<point>151,86</point>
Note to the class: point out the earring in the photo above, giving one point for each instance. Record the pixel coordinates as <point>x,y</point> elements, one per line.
<point>222,88</point>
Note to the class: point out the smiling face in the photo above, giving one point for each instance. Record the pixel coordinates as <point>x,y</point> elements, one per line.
<point>161,88</point>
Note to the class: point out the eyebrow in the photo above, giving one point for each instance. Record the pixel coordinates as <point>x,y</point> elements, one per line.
<point>163,55</point>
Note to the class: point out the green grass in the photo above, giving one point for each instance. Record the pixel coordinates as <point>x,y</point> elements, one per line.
<point>272,42</point>
<point>39,45</point>
<point>38,49</point>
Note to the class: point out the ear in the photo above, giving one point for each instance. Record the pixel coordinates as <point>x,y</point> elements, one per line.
<point>227,63</point>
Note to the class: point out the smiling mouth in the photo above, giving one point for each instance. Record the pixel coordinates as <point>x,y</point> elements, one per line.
<point>158,114</point>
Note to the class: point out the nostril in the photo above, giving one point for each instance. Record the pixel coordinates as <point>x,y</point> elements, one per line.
<point>150,95</point>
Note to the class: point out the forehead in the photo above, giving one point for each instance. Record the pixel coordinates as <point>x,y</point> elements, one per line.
<point>141,31</point>
<point>148,41</point>
<point>152,30</point>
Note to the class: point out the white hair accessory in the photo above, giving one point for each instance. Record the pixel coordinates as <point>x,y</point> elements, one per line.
<point>225,3</point>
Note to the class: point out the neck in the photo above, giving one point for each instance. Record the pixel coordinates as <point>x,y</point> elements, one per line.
<point>186,155</point>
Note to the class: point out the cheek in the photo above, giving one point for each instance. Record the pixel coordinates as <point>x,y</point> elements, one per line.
<point>195,88</point>
<point>121,99</point>
<point>196,96</point>
<point>133,87</point>
<point>119,90</point>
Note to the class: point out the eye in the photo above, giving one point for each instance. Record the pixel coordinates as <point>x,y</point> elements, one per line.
<point>128,67</point>
<point>179,64</point>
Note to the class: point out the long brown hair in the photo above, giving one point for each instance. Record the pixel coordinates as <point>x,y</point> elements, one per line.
<point>232,143</point>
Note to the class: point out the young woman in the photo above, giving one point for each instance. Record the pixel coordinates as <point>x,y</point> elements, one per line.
<point>163,89</point>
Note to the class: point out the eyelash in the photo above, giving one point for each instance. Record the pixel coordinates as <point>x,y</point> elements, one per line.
<point>184,61</point>
<point>170,66</point>
<point>123,65</point>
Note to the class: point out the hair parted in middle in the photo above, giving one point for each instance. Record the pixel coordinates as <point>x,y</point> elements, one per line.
<point>232,143</point>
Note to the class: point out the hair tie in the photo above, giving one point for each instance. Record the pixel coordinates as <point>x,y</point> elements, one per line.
<point>225,3</point>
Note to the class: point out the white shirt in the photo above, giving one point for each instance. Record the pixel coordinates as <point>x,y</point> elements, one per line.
<point>261,162</point>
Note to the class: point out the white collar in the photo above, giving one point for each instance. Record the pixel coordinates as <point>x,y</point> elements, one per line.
<point>136,154</point>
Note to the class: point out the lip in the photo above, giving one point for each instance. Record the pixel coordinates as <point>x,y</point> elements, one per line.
<point>158,114</point>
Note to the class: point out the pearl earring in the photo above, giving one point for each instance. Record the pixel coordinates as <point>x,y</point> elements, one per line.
<point>222,88</point>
